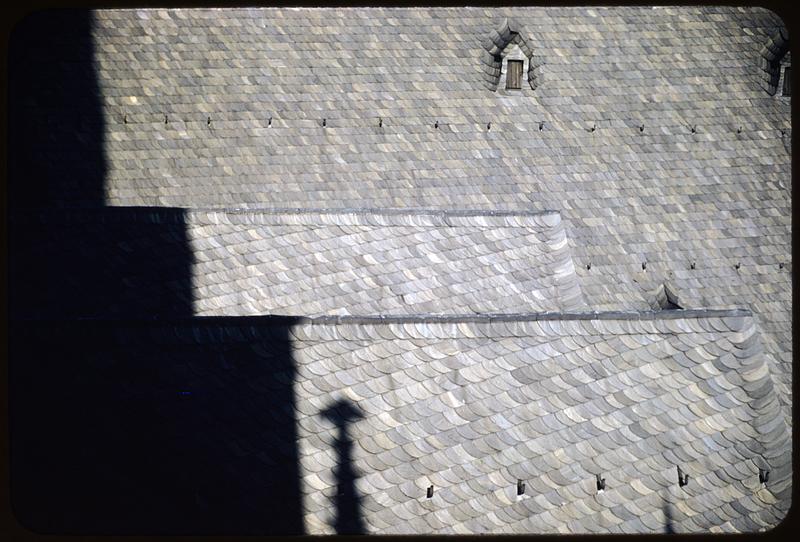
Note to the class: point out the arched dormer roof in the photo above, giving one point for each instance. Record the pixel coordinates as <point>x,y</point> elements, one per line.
<point>507,33</point>
<point>772,53</point>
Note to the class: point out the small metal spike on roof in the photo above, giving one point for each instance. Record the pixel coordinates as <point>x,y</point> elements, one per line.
<point>489,126</point>
<point>683,478</point>
<point>436,124</point>
<point>125,119</point>
<point>269,123</point>
<point>380,123</point>
<point>541,125</point>
<point>641,128</point>
<point>166,120</point>
<point>601,483</point>
<point>692,265</point>
<point>324,122</point>
<point>520,487</point>
<point>430,492</point>
<point>763,476</point>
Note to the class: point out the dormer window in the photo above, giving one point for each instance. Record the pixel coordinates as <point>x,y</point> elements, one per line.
<point>514,76</point>
<point>787,81</point>
<point>776,63</point>
<point>508,61</point>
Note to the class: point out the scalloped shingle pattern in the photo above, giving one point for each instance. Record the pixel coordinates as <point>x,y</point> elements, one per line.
<point>372,262</point>
<point>471,408</point>
<point>301,263</point>
<point>650,135</point>
<point>471,405</point>
<point>689,159</point>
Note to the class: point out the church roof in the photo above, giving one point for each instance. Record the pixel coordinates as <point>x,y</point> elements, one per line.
<point>481,263</point>
<point>470,406</point>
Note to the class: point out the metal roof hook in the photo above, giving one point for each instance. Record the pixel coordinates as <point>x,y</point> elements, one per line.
<point>763,476</point>
<point>601,483</point>
<point>683,478</point>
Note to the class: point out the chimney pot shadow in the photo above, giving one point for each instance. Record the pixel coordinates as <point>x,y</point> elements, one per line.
<point>347,501</point>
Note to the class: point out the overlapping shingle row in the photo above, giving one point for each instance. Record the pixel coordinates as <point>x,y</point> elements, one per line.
<point>648,131</point>
<point>373,262</point>
<point>652,135</point>
<point>302,262</point>
<point>471,406</point>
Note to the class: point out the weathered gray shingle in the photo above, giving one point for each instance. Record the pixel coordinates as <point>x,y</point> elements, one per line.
<point>648,132</point>
<point>554,429</point>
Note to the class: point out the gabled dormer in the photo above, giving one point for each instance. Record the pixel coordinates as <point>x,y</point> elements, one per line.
<point>508,59</point>
<point>776,65</point>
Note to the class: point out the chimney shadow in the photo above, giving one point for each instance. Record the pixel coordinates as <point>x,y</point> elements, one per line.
<point>347,501</point>
<point>127,414</point>
<point>669,524</point>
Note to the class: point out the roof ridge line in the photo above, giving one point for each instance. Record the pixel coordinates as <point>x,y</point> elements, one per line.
<point>430,318</point>
<point>293,216</point>
<point>390,211</point>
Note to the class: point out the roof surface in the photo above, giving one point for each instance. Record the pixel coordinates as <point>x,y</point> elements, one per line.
<point>357,162</point>
<point>641,187</point>
<point>471,405</point>
<point>310,262</point>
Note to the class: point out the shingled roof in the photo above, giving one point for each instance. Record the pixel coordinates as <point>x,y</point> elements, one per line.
<point>310,262</point>
<point>465,250</point>
<point>468,405</point>
<point>653,136</point>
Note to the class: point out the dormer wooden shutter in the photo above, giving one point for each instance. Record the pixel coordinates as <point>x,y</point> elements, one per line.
<point>787,81</point>
<point>514,75</point>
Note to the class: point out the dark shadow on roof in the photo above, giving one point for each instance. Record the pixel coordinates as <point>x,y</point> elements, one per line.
<point>171,433</point>
<point>347,501</point>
